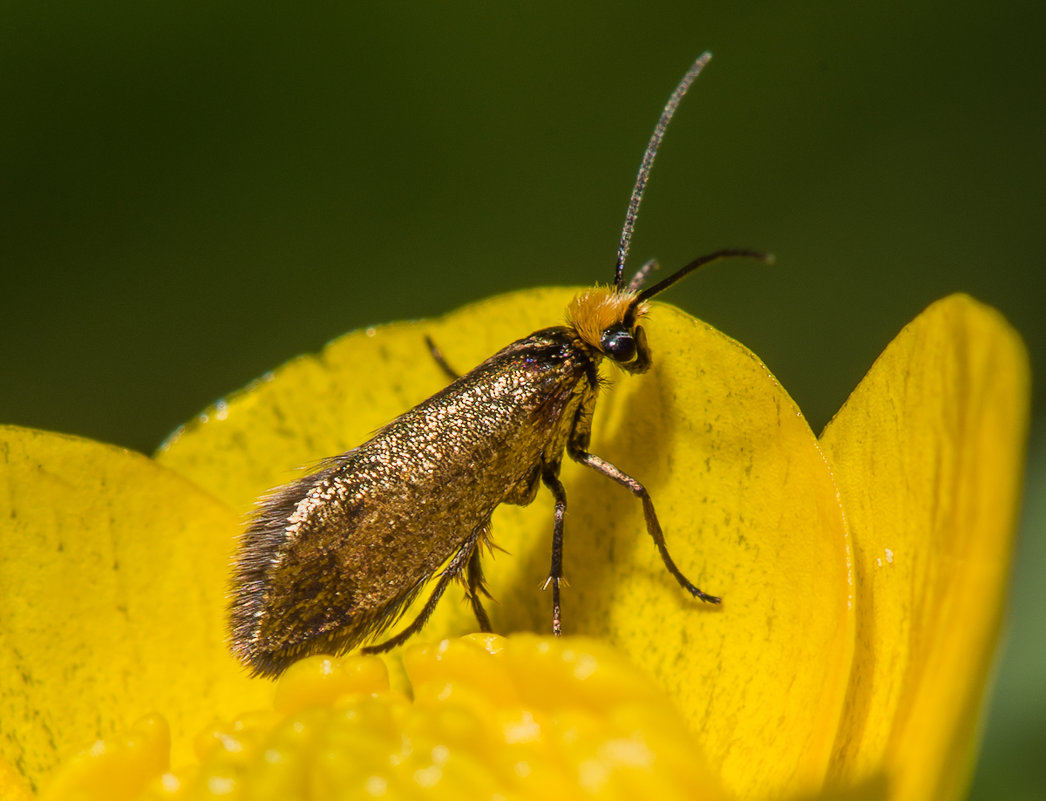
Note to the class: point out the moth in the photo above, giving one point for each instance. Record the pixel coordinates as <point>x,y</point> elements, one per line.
<point>330,561</point>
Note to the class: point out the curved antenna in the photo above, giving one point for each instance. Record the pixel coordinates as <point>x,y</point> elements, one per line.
<point>648,162</point>
<point>683,272</point>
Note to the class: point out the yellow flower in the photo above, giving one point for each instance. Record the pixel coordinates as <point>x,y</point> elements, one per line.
<point>863,576</point>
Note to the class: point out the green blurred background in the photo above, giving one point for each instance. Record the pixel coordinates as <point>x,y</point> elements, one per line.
<point>193,193</point>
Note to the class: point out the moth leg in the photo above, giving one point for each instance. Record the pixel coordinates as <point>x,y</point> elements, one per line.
<point>475,588</point>
<point>450,572</point>
<point>653,527</point>
<point>555,573</point>
<point>438,356</point>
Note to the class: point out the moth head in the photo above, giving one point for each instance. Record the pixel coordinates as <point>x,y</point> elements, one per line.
<point>607,321</point>
<point>606,318</point>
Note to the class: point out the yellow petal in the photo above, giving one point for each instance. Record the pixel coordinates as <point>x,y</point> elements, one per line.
<point>13,786</point>
<point>112,577</point>
<point>874,788</point>
<point>928,455</point>
<point>747,503</point>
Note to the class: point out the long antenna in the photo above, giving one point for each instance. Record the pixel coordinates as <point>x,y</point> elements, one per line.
<point>648,162</point>
<point>683,272</point>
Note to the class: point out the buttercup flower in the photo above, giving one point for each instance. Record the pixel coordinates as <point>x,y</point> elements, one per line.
<point>863,576</point>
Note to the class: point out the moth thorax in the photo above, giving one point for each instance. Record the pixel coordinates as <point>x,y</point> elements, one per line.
<point>595,310</point>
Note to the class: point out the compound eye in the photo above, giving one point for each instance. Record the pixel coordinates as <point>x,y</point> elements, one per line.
<point>619,344</point>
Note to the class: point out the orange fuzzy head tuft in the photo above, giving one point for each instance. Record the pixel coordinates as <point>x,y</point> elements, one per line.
<point>595,310</point>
